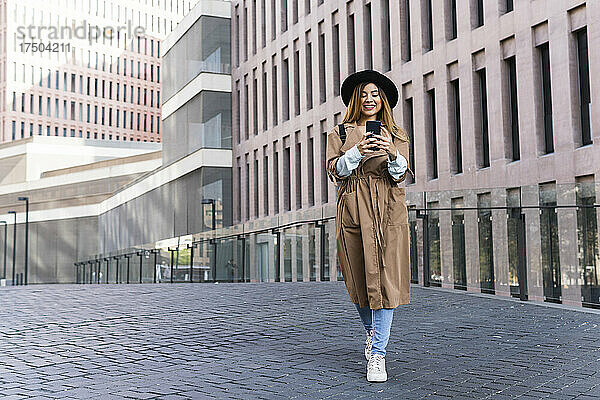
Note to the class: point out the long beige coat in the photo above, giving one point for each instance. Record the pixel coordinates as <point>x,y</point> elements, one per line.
<point>371,224</point>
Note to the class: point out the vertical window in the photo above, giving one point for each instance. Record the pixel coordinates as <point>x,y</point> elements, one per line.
<point>294,11</point>
<point>254,38</point>
<point>433,168</point>
<point>385,35</point>
<point>245,32</point>
<point>451,20</point>
<point>546,96</point>
<point>263,20</point>
<point>309,94</point>
<point>476,13</point>
<point>335,36</point>
<point>322,88</point>
<point>311,172</point>
<point>266,170</point>
<point>264,98</point>
<point>284,20</point>
<point>350,42</point>
<point>324,179</point>
<point>276,182</point>
<point>511,71</point>
<point>368,37</point>
<point>426,25</point>
<point>273,19</point>
<point>409,126</point>
<point>297,82</point>
<point>238,101</point>
<point>298,183</point>
<point>287,201</point>
<point>255,103</point>
<point>482,119</point>
<point>286,89</point>
<point>456,127</point>
<point>256,188</point>
<point>549,236</point>
<point>246,108</point>
<point>274,96</point>
<point>583,81</point>
<point>406,47</point>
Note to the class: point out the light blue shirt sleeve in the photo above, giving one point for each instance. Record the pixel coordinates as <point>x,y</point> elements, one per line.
<point>348,161</point>
<point>398,166</point>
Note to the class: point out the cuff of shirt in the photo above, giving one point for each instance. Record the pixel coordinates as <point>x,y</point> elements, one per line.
<point>398,166</point>
<point>353,155</point>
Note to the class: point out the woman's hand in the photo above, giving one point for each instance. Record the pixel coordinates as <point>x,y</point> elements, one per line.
<point>384,141</point>
<point>364,146</point>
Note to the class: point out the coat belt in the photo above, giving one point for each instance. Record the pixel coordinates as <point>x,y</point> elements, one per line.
<point>377,203</point>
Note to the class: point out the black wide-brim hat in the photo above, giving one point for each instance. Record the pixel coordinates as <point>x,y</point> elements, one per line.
<point>370,76</point>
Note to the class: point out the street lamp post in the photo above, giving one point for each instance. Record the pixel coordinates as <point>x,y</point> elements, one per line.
<point>26,200</point>
<point>5,238</point>
<point>213,241</point>
<point>14,246</point>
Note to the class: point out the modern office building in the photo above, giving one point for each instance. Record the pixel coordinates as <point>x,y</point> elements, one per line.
<point>498,101</point>
<point>190,193</point>
<point>87,69</point>
<point>66,180</point>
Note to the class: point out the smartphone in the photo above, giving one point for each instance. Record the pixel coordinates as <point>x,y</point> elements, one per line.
<point>375,128</point>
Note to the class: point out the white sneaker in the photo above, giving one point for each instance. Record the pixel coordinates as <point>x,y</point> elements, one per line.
<point>368,344</point>
<point>376,368</point>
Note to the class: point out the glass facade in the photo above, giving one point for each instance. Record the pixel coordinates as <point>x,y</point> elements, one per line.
<point>536,236</point>
<point>206,47</point>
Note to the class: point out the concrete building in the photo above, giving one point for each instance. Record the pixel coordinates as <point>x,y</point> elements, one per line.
<point>66,181</point>
<point>497,98</point>
<point>87,69</point>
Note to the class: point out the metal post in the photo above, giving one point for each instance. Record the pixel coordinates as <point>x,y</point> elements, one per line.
<point>243,239</point>
<point>214,241</point>
<point>107,269</point>
<point>155,262</point>
<point>26,200</point>
<point>14,246</point>
<point>141,254</point>
<point>192,262</point>
<point>172,261</point>
<point>5,238</point>
<point>127,257</point>
<point>117,271</point>
<point>521,249</point>
<point>214,260</point>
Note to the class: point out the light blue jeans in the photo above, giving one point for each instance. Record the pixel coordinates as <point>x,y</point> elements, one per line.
<point>380,322</point>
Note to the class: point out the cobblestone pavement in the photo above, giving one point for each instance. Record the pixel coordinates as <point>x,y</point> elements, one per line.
<point>286,340</point>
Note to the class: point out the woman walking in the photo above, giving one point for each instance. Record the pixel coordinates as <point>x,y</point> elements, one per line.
<point>372,218</point>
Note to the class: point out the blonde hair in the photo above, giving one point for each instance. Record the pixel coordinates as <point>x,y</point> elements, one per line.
<point>385,115</point>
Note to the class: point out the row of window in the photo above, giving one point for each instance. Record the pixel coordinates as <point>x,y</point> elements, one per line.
<point>542,97</point>
<point>20,73</point>
<point>476,9</point>
<point>71,133</point>
<point>509,106</point>
<point>119,122</point>
<point>142,97</point>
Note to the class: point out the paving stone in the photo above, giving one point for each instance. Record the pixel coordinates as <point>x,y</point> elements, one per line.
<point>298,340</point>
